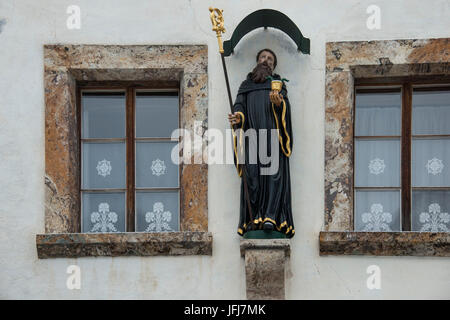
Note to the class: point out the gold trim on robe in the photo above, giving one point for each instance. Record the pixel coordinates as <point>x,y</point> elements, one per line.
<point>260,221</point>
<point>280,138</point>
<point>239,169</point>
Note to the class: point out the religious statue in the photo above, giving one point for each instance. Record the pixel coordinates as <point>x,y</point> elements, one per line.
<point>262,103</point>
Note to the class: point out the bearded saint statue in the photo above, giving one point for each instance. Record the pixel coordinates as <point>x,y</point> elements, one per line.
<point>258,107</point>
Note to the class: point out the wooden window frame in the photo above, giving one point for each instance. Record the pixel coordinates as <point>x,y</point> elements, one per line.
<point>130,89</point>
<point>406,87</point>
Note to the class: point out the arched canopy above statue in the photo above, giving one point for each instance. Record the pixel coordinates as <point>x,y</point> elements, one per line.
<point>266,18</point>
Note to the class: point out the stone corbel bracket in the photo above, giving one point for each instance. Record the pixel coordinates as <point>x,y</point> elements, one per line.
<point>265,261</point>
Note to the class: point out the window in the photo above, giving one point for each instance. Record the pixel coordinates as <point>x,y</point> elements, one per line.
<point>129,181</point>
<point>120,77</point>
<point>401,148</point>
<point>386,110</point>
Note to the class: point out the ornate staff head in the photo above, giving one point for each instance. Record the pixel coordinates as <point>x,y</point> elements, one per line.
<point>218,24</point>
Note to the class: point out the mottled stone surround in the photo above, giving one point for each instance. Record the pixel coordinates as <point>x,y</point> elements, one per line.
<point>348,63</point>
<point>65,65</point>
<point>385,243</point>
<point>75,245</point>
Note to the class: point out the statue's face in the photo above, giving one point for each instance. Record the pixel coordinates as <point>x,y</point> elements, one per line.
<point>268,58</point>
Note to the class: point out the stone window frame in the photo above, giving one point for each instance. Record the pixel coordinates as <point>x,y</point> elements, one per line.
<point>67,65</point>
<point>347,64</point>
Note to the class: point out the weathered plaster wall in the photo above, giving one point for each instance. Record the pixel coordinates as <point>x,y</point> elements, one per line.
<point>25,26</point>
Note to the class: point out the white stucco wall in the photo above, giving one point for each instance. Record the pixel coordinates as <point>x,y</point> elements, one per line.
<point>31,24</point>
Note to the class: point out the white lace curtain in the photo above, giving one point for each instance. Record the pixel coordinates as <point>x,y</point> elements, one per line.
<point>431,161</point>
<point>104,163</point>
<point>378,161</point>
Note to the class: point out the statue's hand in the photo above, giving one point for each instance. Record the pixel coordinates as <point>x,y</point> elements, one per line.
<point>276,98</point>
<point>234,118</point>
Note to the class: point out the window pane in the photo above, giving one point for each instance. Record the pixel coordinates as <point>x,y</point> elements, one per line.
<point>103,115</point>
<point>431,112</point>
<point>378,114</point>
<point>156,115</point>
<point>103,165</point>
<point>154,165</point>
<point>430,162</point>
<point>430,211</point>
<point>103,212</point>
<point>157,211</point>
<point>377,163</point>
<point>377,211</point>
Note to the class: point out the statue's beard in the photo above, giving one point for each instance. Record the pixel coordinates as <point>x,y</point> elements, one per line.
<point>261,72</point>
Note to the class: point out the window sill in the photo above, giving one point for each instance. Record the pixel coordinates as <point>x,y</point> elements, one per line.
<point>77,245</point>
<point>385,243</point>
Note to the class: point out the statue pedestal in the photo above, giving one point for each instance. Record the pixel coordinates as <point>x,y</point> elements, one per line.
<point>265,267</point>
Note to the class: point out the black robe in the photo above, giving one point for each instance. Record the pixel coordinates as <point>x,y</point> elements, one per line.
<point>270,195</point>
